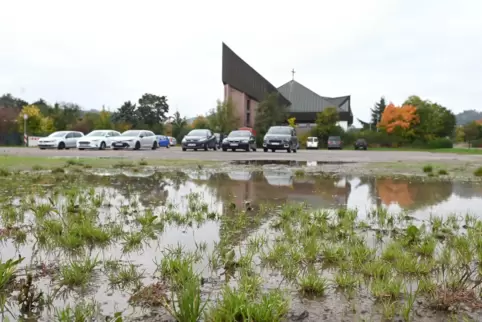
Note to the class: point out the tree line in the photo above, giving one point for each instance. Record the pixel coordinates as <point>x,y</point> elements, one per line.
<point>416,122</point>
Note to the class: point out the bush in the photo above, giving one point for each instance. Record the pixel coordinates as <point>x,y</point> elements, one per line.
<point>476,143</point>
<point>440,143</point>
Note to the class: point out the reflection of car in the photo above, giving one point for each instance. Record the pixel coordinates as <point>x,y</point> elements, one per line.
<point>239,139</point>
<point>136,139</point>
<point>361,144</point>
<point>163,141</point>
<point>280,138</point>
<point>199,139</point>
<point>334,142</point>
<point>312,143</point>
<point>278,177</point>
<point>172,140</point>
<point>98,139</point>
<point>60,140</point>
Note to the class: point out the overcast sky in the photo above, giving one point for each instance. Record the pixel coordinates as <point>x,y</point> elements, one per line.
<point>105,52</point>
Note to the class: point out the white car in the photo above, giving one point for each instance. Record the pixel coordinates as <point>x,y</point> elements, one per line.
<point>98,139</point>
<point>60,140</point>
<point>312,143</point>
<point>135,139</point>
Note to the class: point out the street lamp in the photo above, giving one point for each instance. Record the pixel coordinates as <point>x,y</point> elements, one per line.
<point>25,139</point>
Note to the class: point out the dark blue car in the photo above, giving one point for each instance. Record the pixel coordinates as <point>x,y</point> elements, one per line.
<point>163,141</point>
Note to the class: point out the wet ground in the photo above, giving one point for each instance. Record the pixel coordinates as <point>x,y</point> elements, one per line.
<point>137,215</point>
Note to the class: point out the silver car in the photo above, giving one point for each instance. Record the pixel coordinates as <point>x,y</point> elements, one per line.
<point>60,140</point>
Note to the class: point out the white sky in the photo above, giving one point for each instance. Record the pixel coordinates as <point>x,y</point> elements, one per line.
<point>107,52</point>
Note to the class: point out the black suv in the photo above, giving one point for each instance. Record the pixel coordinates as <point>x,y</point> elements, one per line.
<point>280,138</point>
<point>361,144</point>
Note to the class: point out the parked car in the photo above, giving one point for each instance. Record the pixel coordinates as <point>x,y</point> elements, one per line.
<point>239,139</point>
<point>60,140</point>
<point>172,140</point>
<point>312,142</point>
<point>361,144</point>
<point>199,139</point>
<point>163,141</point>
<point>280,138</point>
<point>335,142</point>
<point>98,139</point>
<point>136,139</point>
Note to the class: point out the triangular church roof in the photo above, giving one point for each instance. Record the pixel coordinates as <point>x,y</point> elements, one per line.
<point>304,100</point>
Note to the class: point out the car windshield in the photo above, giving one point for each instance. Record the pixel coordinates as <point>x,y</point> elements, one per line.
<point>131,133</point>
<point>58,134</point>
<point>97,133</point>
<point>239,134</point>
<point>334,138</point>
<point>360,141</point>
<point>279,130</point>
<point>198,133</point>
<point>312,139</point>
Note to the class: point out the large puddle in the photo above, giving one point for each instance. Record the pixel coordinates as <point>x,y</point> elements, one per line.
<point>198,210</point>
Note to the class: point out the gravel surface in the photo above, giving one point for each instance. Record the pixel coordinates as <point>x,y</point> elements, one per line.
<point>303,155</point>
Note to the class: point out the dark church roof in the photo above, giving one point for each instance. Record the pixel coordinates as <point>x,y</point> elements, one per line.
<point>305,100</point>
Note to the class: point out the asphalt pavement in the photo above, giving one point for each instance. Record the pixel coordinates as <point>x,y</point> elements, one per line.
<point>175,153</point>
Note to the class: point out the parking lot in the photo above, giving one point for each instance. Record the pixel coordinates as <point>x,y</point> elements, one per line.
<point>175,153</point>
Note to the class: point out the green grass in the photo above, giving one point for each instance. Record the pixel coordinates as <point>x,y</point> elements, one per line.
<point>453,150</point>
<point>34,162</point>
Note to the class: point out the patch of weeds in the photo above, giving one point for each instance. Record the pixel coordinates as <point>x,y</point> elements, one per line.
<point>143,162</point>
<point>77,273</point>
<point>83,311</point>
<point>312,284</point>
<point>442,172</point>
<point>346,280</point>
<point>72,162</point>
<point>58,170</point>
<point>299,173</point>
<point>87,166</point>
<point>428,169</point>
<point>478,172</point>
<point>123,164</point>
<point>4,172</point>
<point>126,276</point>
<point>236,305</point>
<point>37,167</point>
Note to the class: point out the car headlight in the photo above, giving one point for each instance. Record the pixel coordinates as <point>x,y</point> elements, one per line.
<point>225,140</point>
<point>244,141</point>
<point>94,141</point>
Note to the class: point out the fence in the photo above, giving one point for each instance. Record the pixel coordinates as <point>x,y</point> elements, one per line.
<point>11,139</point>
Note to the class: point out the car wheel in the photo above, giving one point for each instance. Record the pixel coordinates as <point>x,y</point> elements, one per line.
<point>184,149</point>
<point>205,147</point>
<point>254,149</point>
<point>115,149</point>
<point>167,146</point>
<point>154,146</point>
<point>195,149</point>
<point>215,148</point>
<point>137,146</point>
<point>102,146</point>
<point>42,148</point>
<point>273,150</point>
<point>224,150</point>
<point>233,150</point>
<point>61,146</point>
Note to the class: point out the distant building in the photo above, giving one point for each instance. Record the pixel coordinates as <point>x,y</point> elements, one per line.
<point>246,88</point>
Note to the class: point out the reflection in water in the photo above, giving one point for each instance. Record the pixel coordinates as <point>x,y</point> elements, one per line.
<point>279,184</point>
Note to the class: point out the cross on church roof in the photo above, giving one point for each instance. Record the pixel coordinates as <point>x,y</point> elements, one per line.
<point>293,73</point>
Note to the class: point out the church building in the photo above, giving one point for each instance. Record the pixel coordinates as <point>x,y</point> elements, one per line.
<point>246,88</point>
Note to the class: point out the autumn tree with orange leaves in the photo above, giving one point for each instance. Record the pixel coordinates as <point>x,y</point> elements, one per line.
<point>399,120</point>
